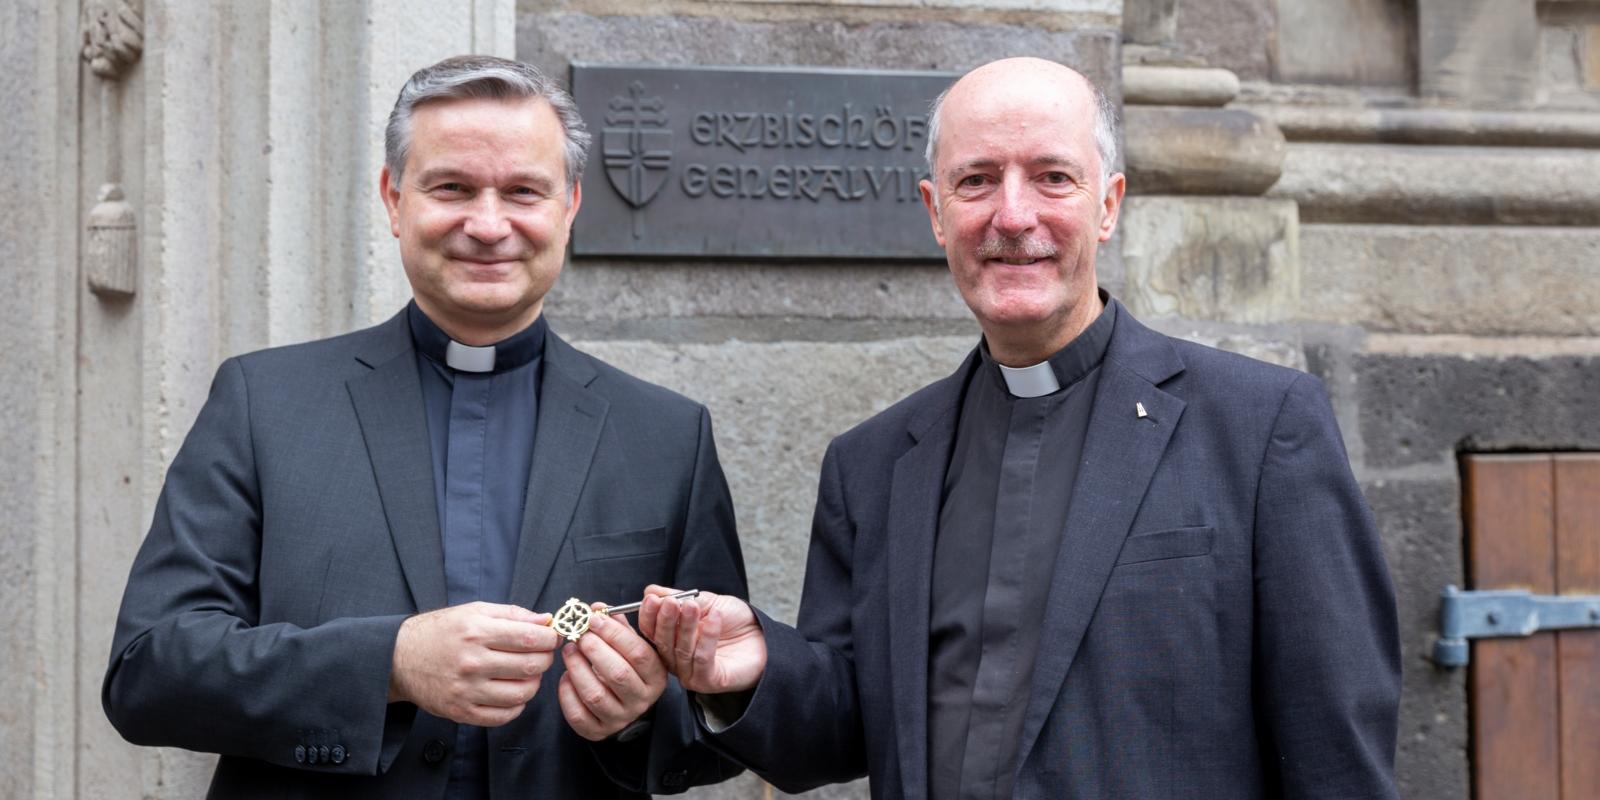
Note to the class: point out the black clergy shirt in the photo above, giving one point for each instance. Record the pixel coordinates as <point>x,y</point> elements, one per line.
<point>480,431</point>
<point>1002,523</point>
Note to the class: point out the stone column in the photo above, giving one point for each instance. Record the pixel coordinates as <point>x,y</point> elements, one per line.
<point>1206,256</point>
<point>38,101</point>
<point>244,141</point>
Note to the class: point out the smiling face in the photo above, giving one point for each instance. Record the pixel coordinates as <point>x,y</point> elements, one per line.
<point>1019,208</point>
<point>482,212</point>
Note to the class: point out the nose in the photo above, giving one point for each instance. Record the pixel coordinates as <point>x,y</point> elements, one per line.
<point>1016,213</point>
<point>486,219</point>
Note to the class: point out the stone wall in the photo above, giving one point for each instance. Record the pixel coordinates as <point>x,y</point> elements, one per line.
<point>1392,194</point>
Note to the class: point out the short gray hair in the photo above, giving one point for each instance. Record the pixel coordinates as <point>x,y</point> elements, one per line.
<point>1105,131</point>
<point>486,78</point>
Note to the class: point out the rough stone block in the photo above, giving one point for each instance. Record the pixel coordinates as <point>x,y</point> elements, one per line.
<point>1420,522</point>
<point>1231,259</point>
<point>1178,86</point>
<point>1231,34</point>
<point>553,39</point>
<point>1149,21</point>
<point>1478,52</point>
<point>1423,185</point>
<point>746,786</point>
<point>775,407</point>
<point>1355,42</point>
<point>845,791</point>
<point>1273,344</point>
<point>1422,399</point>
<point>1487,281</point>
<point>591,289</point>
<point>1217,151</point>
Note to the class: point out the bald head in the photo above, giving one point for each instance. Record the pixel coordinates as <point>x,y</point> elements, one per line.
<point>1036,82</point>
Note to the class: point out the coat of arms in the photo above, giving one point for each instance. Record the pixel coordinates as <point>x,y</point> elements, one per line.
<point>636,147</point>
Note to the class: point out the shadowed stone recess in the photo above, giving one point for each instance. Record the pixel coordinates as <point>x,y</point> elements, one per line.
<point>1486,281</point>
<point>1420,522</point>
<point>1228,259</point>
<point>1425,408</point>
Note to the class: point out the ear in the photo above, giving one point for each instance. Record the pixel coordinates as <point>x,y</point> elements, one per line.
<point>926,187</point>
<point>1112,205</point>
<point>572,207</point>
<point>391,199</point>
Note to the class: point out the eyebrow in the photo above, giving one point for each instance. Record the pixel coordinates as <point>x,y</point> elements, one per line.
<point>1047,160</point>
<point>451,173</point>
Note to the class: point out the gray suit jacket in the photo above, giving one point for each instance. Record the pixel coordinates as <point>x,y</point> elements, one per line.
<point>1220,623</point>
<point>297,529</point>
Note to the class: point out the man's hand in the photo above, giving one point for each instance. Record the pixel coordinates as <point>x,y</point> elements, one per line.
<point>613,677</point>
<point>711,642</point>
<point>477,663</point>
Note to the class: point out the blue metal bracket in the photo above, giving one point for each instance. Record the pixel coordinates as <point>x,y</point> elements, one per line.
<point>1499,613</point>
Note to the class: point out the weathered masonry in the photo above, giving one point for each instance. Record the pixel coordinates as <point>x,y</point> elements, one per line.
<point>1397,195</point>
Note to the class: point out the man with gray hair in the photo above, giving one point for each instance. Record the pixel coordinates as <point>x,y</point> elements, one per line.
<point>346,586</point>
<point>1096,562</point>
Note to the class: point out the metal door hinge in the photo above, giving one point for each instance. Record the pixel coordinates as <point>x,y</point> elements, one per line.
<point>1504,612</point>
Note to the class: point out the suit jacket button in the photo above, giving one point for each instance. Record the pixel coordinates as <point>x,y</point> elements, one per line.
<point>676,779</point>
<point>338,754</point>
<point>299,754</point>
<point>433,751</point>
<point>311,754</point>
<point>322,754</point>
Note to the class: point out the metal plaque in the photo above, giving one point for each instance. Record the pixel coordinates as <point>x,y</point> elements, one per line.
<point>766,163</point>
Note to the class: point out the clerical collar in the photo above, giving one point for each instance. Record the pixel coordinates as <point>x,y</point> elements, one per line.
<point>510,353</point>
<point>1065,367</point>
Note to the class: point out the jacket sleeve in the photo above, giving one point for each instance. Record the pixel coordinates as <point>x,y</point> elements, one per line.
<point>671,756</point>
<point>802,727</point>
<point>191,664</point>
<point>1327,649</point>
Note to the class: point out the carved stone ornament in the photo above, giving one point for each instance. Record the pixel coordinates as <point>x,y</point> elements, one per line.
<point>113,37</point>
<point>111,255</point>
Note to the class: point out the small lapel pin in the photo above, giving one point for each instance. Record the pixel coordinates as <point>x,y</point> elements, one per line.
<point>1139,408</point>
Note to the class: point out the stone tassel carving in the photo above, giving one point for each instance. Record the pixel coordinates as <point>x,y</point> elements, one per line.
<point>113,39</point>
<point>111,253</point>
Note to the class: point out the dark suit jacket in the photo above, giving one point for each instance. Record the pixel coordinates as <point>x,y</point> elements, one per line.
<point>297,529</point>
<point>1220,623</point>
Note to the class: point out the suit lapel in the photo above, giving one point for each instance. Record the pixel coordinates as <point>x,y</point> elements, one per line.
<point>388,404</point>
<point>913,522</point>
<point>1120,456</point>
<point>570,420</point>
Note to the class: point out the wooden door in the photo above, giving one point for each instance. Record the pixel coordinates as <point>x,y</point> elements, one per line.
<point>1533,522</point>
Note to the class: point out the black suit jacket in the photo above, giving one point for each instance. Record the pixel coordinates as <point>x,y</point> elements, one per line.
<point>1220,623</point>
<point>297,529</point>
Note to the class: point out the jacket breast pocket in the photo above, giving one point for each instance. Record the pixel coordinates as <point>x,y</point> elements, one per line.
<point>1161,545</point>
<point>624,544</point>
<point>616,567</point>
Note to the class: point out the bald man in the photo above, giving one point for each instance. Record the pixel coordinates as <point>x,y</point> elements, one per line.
<point>1094,562</point>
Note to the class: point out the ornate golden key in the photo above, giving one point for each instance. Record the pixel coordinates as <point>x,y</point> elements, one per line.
<point>572,619</point>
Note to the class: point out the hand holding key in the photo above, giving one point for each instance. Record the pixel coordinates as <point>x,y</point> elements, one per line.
<point>612,675</point>
<point>712,642</point>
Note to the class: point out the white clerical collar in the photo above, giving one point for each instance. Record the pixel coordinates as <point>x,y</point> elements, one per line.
<point>467,358</point>
<point>1035,381</point>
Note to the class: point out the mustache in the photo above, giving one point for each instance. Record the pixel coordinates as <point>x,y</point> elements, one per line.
<point>1018,248</point>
